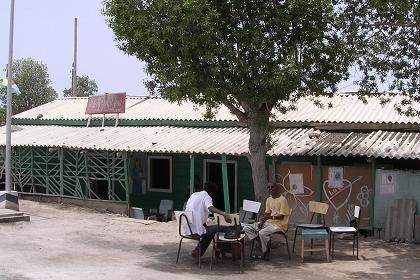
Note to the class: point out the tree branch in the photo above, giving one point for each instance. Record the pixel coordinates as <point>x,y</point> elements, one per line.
<point>236,111</point>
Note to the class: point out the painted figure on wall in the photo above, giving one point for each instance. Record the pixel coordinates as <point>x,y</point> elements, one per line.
<point>137,177</point>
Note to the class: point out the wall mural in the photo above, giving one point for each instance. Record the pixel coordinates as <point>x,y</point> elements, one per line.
<point>352,188</point>
<point>356,189</point>
<point>296,201</point>
<point>298,184</point>
<point>338,197</point>
<point>363,196</point>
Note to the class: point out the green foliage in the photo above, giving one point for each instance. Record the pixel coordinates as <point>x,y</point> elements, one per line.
<point>33,80</point>
<point>252,54</point>
<point>2,116</point>
<point>84,87</point>
<point>386,36</point>
<point>245,54</point>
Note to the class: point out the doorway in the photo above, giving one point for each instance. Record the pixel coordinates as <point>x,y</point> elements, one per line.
<point>213,172</point>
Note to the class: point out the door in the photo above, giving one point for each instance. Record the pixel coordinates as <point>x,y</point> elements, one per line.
<point>213,172</point>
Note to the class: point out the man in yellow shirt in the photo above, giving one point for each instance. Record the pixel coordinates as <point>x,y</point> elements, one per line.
<point>275,219</point>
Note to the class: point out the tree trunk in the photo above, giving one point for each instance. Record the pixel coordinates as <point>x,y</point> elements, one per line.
<point>258,148</point>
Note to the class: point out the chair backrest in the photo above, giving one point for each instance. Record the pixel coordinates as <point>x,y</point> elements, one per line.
<point>357,212</point>
<point>136,213</point>
<point>222,222</point>
<point>184,218</point>
<point>356,217</point>
<point>251,206</point>
<point>318,207</point>
<point>165,206</point>
<point>250,211</point>
<point>246,217</point>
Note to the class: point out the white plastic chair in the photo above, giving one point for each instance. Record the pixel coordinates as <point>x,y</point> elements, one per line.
<point>165,209</point>
<point>185,220</point>
<point>164,214</point>
<point>351,230</point>
<point>250,211</point>
<point>315,208</point>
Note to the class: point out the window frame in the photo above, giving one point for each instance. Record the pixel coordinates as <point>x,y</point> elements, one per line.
<point>149,176</point>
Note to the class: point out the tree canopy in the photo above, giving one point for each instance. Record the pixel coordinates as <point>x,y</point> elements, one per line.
<point>386,39</point>
<point>84,87</point>
<point>33,81</point>
<point>252,55</point>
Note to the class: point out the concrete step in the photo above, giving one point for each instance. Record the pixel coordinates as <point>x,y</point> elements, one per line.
<point>17,218</point>
<point>10,216</point>
<point>9,213</point>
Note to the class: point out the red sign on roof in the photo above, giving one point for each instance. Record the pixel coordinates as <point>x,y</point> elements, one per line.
<point>106,104</point>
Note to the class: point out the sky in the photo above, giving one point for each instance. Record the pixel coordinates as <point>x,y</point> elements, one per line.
<point>43,30</point>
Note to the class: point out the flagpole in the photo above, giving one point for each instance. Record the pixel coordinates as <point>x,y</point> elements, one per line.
<point>9,199</point>
<point>74,71</point>
<point>8,161</point>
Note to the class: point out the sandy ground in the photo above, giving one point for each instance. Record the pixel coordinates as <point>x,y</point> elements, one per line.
<point>66,242</point>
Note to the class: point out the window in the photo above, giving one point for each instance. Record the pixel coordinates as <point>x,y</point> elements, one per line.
<point>160,174</point>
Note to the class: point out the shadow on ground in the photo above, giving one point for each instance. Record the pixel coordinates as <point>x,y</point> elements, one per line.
<point>394,261</point>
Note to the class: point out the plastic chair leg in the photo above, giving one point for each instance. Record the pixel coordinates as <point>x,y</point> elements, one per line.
<point>302,250</point>
<point>199,255</point>
<point>213,252</point>
<point>357,244</point>
<point>287,245</point>
<point>294,239</point>
<point>252,248</point>
<point>327,250</point>
<point>242,254</point>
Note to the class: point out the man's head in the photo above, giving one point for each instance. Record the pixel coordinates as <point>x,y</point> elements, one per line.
<point>274,189</point>
<point>210,188</point>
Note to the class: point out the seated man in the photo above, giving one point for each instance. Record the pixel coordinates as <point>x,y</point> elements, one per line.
<point>200,204</point>
<point>275,219</point>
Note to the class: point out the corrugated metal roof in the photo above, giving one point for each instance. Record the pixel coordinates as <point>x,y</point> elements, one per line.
<point>157,139</point>
<point>400,145</point>
<point>346,108</point>
<point>231,141</point>
<point>137,108</point>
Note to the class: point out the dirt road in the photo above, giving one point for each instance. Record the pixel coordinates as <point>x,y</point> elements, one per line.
<point>66,242</point>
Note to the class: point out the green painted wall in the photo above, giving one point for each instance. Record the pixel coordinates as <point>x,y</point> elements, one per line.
<point>245,183</point>
<point>181,177</point>
<point>180,182</point>
<point>407,186</point>
<point>245,189</point>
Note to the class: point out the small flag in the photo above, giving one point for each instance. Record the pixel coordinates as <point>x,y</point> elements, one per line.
<point>4,81</point>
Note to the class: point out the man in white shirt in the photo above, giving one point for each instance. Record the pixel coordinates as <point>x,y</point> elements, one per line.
<point>201,204</point>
